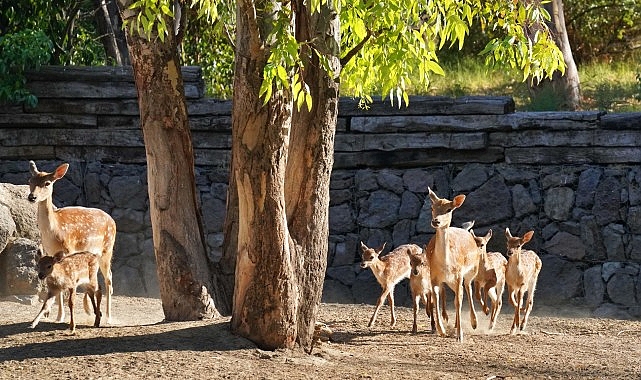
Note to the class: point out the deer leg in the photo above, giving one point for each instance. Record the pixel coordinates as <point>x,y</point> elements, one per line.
<point>458,303</point>
<point>96,306</point>
<point>72,322</point>
<point>468,289</point>
<point>61,307</point>
<point>416,305</point>
<point>517,312</point>
<point>443,303</point>
<point>493,297</point>
<point>381,299</point>
<point>390,299</point>
<point>436,292</point>
<point>46,306</point>
<point>105,269</point>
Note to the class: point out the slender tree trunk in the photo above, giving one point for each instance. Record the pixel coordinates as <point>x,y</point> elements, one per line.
<point>183,272</point>
<point>565,89</point>
<point>282,191</point>
<point>112,35</point>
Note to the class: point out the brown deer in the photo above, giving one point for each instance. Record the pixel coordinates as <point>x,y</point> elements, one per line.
<point>421,287</point>
<point>66,273</point>
<point>523,267</point>
<point>454,261</point>
<point>490,279</point>
<point>72,229</point>
<point>389,270</point>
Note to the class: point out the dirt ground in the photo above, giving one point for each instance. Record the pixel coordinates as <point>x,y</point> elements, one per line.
<point>557,344</point>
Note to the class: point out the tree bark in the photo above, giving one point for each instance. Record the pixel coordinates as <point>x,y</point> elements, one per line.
<point>282,189</point>
<point>565,88</point>
<point>183,272</point>
<point>112,36</point>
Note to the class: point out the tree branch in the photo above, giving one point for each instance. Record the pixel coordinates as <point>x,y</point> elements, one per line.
<point>350,54</point>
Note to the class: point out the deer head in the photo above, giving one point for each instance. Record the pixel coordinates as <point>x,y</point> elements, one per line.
<point>41,183</point>
<point>442,209</point>
<point>368,255</point>
<point>515,243</point>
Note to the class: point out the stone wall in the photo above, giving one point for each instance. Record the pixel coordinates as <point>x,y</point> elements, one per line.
<point>573,178</point>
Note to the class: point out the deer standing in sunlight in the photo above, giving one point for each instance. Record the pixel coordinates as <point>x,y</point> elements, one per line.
<point>454,261</point>
<point>72,229</point>
<point>490,279</point>
<point>523,267</point>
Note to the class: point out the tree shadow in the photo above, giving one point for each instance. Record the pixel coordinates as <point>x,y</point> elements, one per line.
<point>216,336</point>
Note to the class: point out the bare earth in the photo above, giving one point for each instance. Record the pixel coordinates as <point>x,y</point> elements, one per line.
<point>557,344</point>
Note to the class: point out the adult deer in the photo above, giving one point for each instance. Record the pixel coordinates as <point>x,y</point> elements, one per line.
<point>523,267</point>
<point>454,261</point>
<point>490,279</point>
<point>72,229</point>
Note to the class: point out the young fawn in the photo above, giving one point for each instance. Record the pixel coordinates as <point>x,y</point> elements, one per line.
<point>454,260</point>
<point>523,267</point>
<point>490,279</point>
<point>421,287</point>
<point>72,229</point>
<point>67,273</point>
<point>389,270</point>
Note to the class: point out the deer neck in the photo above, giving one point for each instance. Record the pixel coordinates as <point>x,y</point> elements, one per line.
<point>442,246</point>
<point>377,268</point>
<point>47,221</point>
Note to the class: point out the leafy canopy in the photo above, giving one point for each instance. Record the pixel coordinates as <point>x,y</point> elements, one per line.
<point>388,44</point>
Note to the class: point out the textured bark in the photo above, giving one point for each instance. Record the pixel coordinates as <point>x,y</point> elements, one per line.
<point>566,88</point>
<point>111,33</point>
<point>282,190</point>
<point>183,271</point>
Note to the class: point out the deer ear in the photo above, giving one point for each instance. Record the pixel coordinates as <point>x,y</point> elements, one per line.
<point>507,233</point>
<point>433,195</point>
<point>363,246</point>
<point>458,200</point>
<point>39,252</point>
<point>528,236</point>
<point>381,248</point>
<point>32,168</point>
<point>58,257</point>
<point>60,171</point>
<point>488,236</point>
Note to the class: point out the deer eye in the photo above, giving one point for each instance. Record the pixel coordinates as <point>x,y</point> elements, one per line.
<point>47,183</point>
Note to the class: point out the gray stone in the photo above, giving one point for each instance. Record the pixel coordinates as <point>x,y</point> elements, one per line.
<point>586,190</point>
<point>558,203</point>
<point>611,311</point>
<point>593,286</point>
<point>214,211</point>
<point>335,292</point>
<point>219,190</point>
<point>128,280</point>
<point>410,206</point>
<point>492,201</point>
<point>346,252</point>
<point>621,289</point>
<point>93,188</point>
<point>337,197</point>
<point>566,245</point>
<point>379,210</point>
<point>7,226</point>
<point>20,275</point>
<point>390,181</point>
<point>607,201</point>
<point>592,239</point>
<point>128,192</point>
<point>613,242</point>
<point>634,187</point>
<point>634,219</point>
<point>126,245</point>
<point>610,268</point>
<point>634,248</point>
<point>423,224</point>
<point>522,201</point>
<point>402,232</point>
<point>558,179</point>
<point>128,220</point>
<point>341,179</point>
<point>417,180</point>
<point>341,219</point>
<point>559,281</point>
<point>471,177</point>
<point>65,193</point>
<point>366,180</point>
<point>23,212</point>
<point>344,274</point>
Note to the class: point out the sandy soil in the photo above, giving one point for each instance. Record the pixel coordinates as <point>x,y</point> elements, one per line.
<point>138,345</point>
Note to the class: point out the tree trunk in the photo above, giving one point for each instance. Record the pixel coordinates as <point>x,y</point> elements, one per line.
<point>564,89</point>
<point>112,35</point>
<point>282,192</point>
<point>181,259</point>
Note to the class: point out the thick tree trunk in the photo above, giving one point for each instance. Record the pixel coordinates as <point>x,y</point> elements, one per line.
<point>565,89</point>
<point>282,194</point>
<point>183,271</point>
